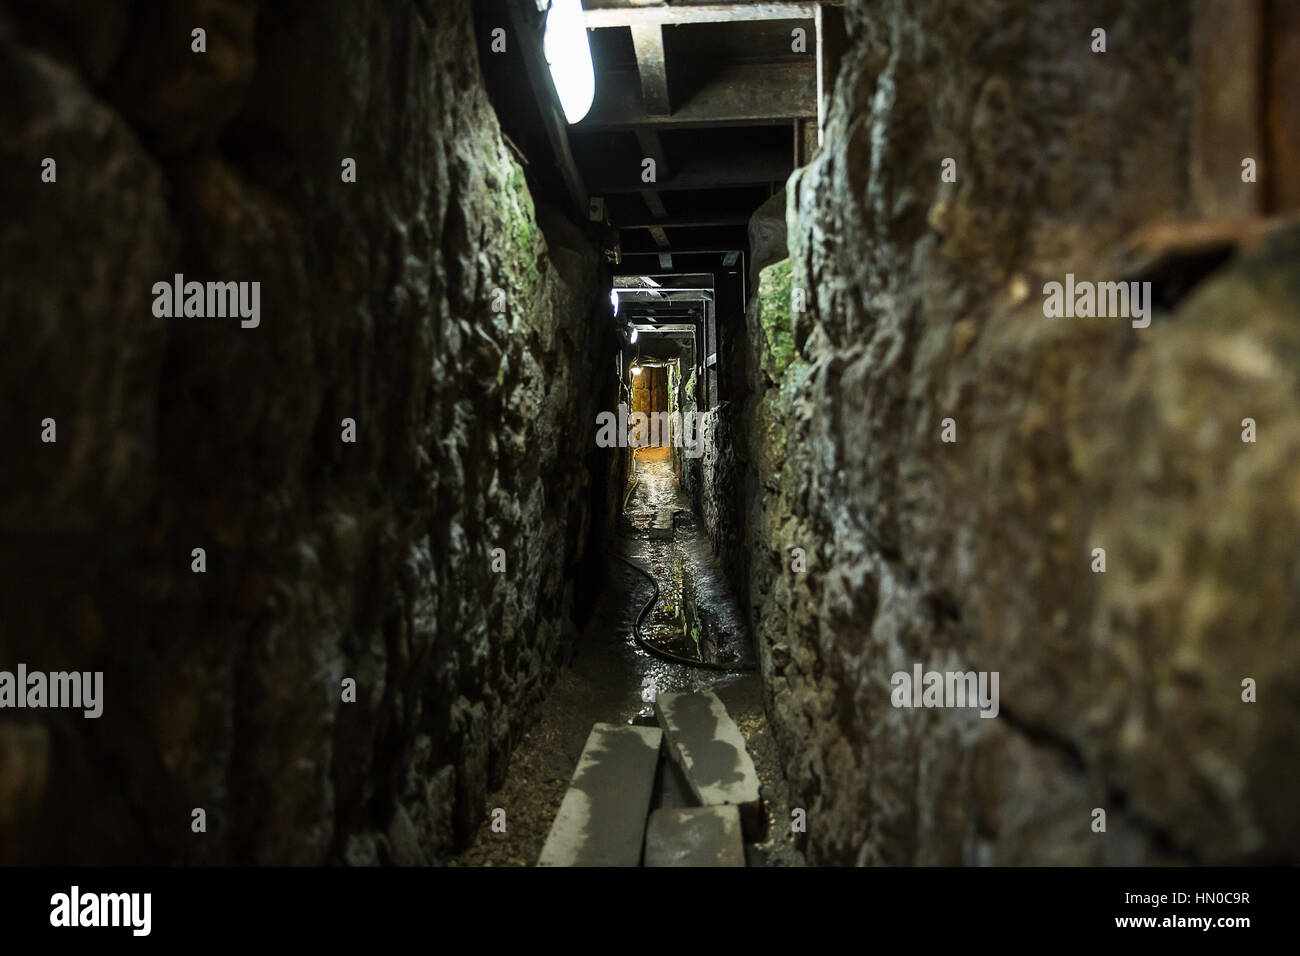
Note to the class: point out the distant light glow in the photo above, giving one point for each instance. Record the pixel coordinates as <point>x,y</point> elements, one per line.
<point>636,369</point>
<point>569,56</point>
<point>634,336</point>
<point>613,299</point>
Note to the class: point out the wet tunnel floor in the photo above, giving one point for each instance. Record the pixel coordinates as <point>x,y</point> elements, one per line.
<point>696,615</point>
<point>612,679</point>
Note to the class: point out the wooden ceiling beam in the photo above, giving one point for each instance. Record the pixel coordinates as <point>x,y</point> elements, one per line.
<point>608,13</point>
<point>701,171</point>
<point>686,223</point>
<point>652,67</point>
<point>739,94</point>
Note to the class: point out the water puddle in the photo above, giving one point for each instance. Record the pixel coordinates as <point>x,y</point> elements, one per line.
<point>695,616</point>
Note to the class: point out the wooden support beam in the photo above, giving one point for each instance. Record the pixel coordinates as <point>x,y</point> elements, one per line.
<point>805,141</point>
<point>702,171</point>
<point>728,240</point>
<point>1282,107</point>
<point>739,94</point>
<point>659,236</point>
<point>832,44</point>
<point>686,266</point>
<point>528,27</point>
<point>651,65</point>
<point>665,260</point>
<point>663,294</point>
<point>680,252</point>
<point>654,203</point>
<point>1226,111</point>
<point>686,223</point>
<point>616,13</point>
<point>652,147</point>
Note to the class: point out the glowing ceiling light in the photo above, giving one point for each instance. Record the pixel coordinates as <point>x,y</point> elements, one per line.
<point>569,56</point>
<point>634,335</point>
<point>636,369</point>
<point>613,299</point>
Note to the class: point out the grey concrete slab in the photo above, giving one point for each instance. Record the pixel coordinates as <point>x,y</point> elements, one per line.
<point>695,836</point>
<point>602,818</point>
<point>671,789</point>
<point>708,746</point>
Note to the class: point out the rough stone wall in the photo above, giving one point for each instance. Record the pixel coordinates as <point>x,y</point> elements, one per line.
<point>727,486</point>
<point>325,560</point>
<point>714,482</point>
<point>1119,690</point>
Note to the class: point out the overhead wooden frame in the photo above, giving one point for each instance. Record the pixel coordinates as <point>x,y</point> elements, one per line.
<point>619,13</point>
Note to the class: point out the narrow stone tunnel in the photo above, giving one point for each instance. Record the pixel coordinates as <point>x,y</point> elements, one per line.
<point>376,428</point>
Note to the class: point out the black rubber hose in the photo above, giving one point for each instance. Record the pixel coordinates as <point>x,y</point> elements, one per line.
<point>649,648</point>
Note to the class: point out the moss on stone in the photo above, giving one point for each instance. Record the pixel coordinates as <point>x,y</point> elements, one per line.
<point>782,369</point>
<point>522,237</point>
<point>774,291</point>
